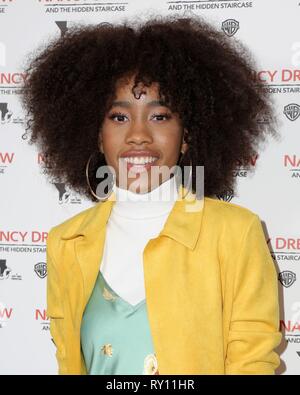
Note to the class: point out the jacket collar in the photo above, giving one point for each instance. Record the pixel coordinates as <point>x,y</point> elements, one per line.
<point>183,223</point>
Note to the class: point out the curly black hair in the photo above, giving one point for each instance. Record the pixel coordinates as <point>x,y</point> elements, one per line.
<point>205,76</point>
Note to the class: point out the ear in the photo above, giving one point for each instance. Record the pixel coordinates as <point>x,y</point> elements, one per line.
<point>184,144</point>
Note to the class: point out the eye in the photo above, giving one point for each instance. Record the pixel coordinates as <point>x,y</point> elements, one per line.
<point>118,115</point>
<point>164,115</point>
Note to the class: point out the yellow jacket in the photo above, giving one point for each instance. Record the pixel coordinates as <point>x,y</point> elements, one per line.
<point>211,288</point>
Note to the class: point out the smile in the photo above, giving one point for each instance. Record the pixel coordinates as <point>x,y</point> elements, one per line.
<point>139,164</point>
<point>142,160</point>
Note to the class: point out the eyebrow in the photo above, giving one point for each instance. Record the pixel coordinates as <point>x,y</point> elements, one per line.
<point>127,104</point>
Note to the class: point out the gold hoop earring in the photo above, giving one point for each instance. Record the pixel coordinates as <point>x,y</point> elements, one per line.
<point>88,181</point>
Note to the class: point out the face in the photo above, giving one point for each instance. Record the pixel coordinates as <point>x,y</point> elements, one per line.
<point>139,136</point>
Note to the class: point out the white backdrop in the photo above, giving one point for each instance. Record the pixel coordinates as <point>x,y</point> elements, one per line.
<point>30,206</point>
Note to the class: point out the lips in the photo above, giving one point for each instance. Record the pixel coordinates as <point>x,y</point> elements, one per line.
<point>139,167</point>
<point>138,153</point>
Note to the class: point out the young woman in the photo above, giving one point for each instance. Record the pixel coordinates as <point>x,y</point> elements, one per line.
<point>157,279</point>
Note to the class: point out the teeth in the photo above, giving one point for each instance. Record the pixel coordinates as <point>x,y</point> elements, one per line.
<point>140,160</point>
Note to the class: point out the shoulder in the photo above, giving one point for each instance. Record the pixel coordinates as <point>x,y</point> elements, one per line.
<point>69,225</point>
<point>228,215</point>
<point>230,221</point>
<point>237,229</point>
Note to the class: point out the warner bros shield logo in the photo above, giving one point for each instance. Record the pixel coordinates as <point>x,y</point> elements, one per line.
<point>40,269</point>
<point>287,278</point>
<point>230,27</point>
<point>292,111</point>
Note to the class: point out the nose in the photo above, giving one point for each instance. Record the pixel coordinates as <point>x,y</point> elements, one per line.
<point>139,133</point>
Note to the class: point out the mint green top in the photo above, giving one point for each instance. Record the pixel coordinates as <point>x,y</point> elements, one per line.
<point>115,336</point>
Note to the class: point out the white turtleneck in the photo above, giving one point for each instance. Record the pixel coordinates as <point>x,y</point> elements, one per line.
<point>134,220</point>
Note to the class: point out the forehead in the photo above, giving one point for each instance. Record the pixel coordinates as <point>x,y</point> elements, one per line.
<point>140,93</point>
<point>128,95</point>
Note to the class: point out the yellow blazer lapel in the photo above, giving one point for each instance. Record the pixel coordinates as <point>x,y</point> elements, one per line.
<point>89,243</point>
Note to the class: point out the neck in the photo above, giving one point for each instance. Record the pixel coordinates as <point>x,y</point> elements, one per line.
<point>159,201</point>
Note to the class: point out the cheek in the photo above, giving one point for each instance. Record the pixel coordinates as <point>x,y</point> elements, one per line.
<point>170,147</point>
<point>112,144</point>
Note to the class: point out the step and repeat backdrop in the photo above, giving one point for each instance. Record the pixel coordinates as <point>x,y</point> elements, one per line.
<point>30,205</point>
